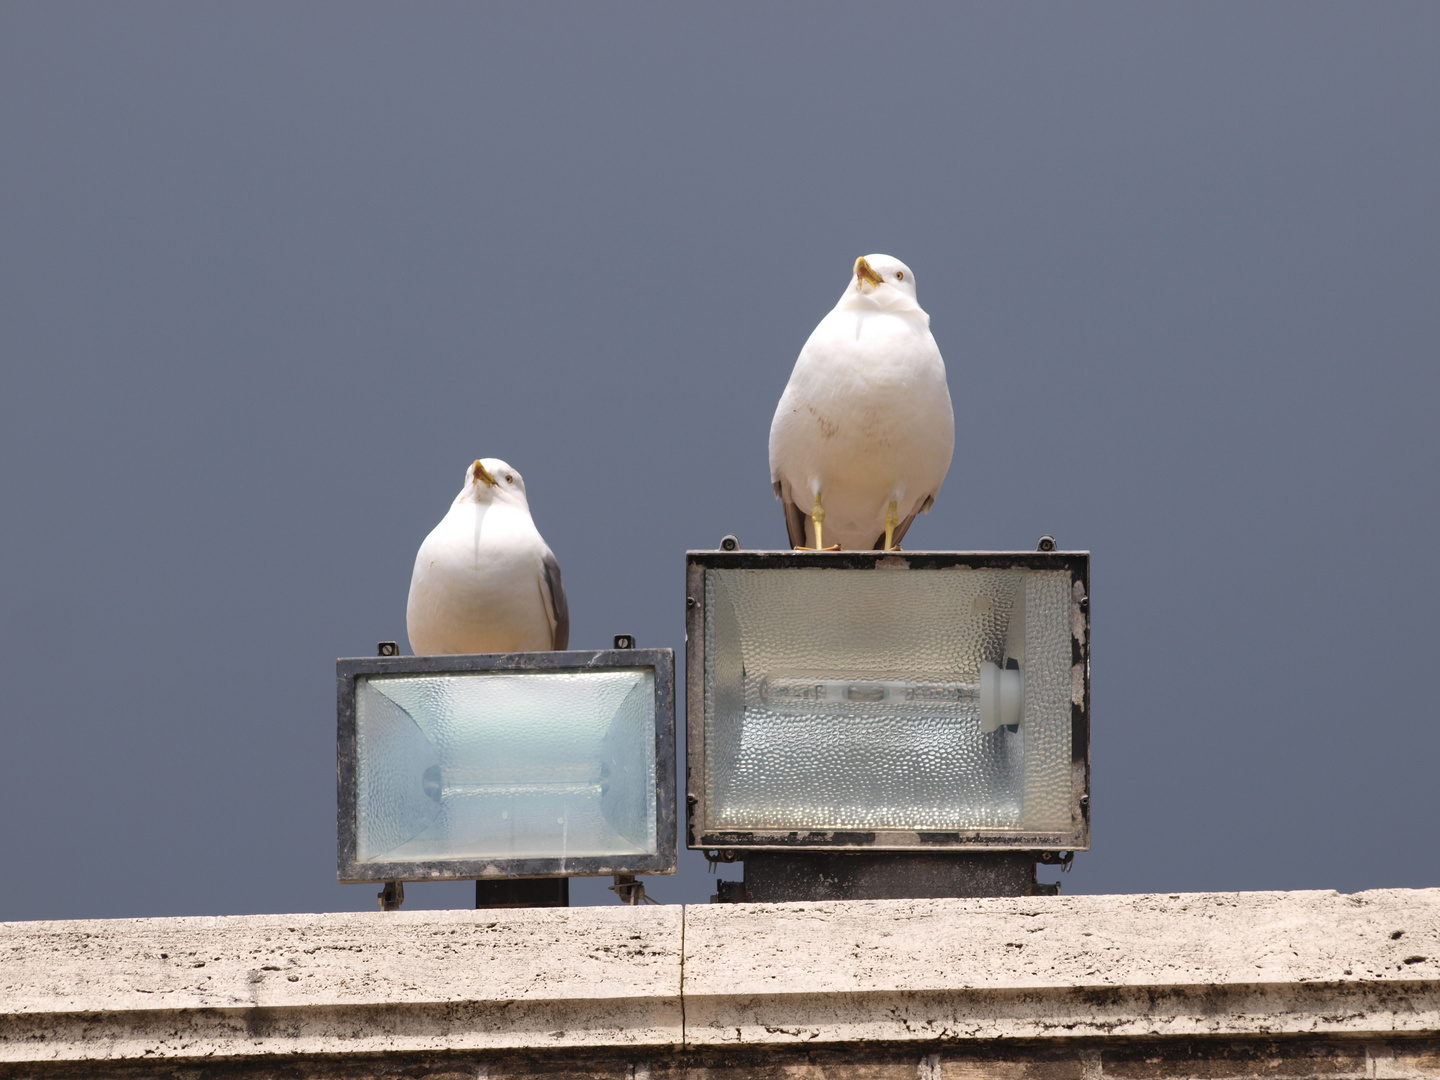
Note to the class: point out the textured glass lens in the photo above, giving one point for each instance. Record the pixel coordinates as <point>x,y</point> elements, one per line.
<point>491,765</point>
<point>874,699</point>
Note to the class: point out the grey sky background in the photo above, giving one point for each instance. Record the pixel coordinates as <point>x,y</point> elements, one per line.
<point>271,275</point>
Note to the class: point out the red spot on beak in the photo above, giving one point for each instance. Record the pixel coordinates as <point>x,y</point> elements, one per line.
<point>864,273</point>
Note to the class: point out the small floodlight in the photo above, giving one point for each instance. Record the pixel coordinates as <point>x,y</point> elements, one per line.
<point>549,764</point>
<point>901,701</point>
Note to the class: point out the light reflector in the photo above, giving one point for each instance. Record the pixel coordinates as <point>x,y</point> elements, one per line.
<point>869,700</point>
<point>521,764</point>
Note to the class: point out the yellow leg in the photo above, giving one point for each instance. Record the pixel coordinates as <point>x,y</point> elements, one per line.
<point>892,518</point>
<point>817,515</point>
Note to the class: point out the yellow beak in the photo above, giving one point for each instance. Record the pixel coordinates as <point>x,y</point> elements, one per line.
<point>482,474</point>
<point>863,273</point>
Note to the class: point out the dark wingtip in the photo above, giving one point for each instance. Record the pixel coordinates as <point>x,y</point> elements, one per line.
<point>560,640</point>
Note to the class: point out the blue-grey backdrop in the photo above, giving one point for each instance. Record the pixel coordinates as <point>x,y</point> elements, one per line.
<point>272,275</point>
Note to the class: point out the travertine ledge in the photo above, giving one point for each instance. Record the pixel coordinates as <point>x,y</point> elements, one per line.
<point>349,983</point>
<point>654,981</point>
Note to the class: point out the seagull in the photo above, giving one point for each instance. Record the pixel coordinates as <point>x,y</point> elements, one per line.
<point>484,579</point>
<point>863,434</point>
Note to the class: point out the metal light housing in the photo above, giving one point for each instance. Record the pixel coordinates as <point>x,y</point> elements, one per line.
<point>546,764</point>
<point>872,701</point>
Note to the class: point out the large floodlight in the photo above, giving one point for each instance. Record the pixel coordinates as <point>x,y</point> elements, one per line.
<point>552,764</point>
<point>870,701</point>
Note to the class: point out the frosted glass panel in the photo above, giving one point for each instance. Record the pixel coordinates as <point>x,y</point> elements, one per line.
<point>872,699</point>
<point>505,765</point>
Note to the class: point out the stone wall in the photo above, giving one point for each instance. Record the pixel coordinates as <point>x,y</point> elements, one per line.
<point>1218,985</point>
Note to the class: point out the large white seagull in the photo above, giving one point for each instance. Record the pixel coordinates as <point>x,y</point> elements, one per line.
<point>863,435</point>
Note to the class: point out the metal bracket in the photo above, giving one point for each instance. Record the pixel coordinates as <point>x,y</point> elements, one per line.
<point>387,648</point>
<point>883,875</point>
<point>730,892</point>
<point>630,891</point>
<point>624,641</point>
<point>716,857</point>
<point>729,542</point>
<point>392,896</point>
<point>1062,859</point>
<point>518,892</point>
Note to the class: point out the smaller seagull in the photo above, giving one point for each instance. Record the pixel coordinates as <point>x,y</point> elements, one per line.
<point>485,581</point>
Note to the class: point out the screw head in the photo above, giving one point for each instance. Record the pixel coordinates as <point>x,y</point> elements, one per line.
<point>1045,543</point>
<point>729,542</point>
<point>690,602</point>
<point>387,648</point>
<point>624,641</point>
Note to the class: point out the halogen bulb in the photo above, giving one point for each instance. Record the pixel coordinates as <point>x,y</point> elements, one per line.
<point>996,701</point>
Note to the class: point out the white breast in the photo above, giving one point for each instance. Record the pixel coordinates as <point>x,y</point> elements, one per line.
<point>866,417</point>
<point>477,584</point>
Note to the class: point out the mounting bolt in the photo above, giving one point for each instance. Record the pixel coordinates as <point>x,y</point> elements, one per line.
<point>729,542</point>
<point>1045,543</point>
<point>1085,604</point>
<point>690,602</point>
<point>624,641</point>
<point>387,648</point>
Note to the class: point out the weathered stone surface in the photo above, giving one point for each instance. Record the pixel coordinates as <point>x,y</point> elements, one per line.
<point>351,983</point>
<point>1133,966</point>
<point>1047,988</point>
<point>1289,1058</point>
<point>1220,1060</point>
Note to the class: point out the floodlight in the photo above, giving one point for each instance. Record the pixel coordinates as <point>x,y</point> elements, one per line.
<point>547,764</point>
<point>900,701</point>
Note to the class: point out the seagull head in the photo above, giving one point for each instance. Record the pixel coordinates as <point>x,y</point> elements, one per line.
<point>882,281</point>
<point>490,480</point>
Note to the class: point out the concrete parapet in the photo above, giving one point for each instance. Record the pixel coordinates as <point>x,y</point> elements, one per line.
<point>1312,983</point>
<point>1063,967</point>
<point>264,985</point>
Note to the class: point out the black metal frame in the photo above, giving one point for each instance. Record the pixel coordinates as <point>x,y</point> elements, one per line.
<point>729,846</point>
<point>660,661</point>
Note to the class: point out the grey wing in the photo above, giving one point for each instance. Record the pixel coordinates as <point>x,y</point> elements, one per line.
<point>555,594</point>
<point>794,519</point>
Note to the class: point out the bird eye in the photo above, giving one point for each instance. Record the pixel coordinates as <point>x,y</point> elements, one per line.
<point>509,479</point>
<point>899,275</point>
